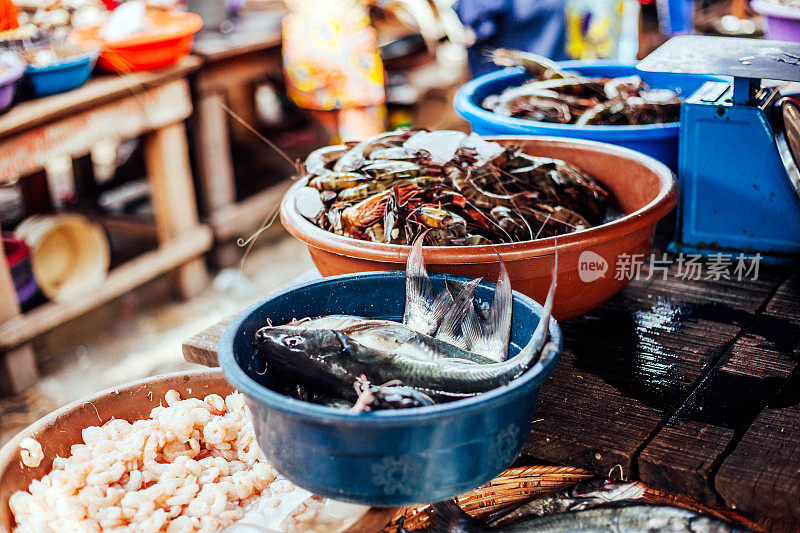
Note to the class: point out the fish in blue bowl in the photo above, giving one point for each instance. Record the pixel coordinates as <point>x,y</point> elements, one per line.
<point>392,388</point>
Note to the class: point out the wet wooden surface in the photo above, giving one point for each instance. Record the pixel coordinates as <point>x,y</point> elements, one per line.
<point>692,386</point>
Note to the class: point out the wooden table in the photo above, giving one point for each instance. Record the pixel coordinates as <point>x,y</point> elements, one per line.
<point>151,104</point>
<point>246,55</point>
<point>692,386</point>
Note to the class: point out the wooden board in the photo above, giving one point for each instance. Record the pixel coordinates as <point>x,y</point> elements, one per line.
<point>629,363</point>
<point>686,453</point>
<point>763,471</point>
<point>628,369</point>
<point>99,90</point>
<point>202,348</point>
<point>254,30</point>
<point>234,220</point>
<point>75,134</point>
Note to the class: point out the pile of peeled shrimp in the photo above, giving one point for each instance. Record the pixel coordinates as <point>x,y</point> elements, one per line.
<point>458,188</point>
<point>564,97</point>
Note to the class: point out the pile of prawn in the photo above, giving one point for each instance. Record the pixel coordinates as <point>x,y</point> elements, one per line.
<point>564,97</point>
<point>458,189</point>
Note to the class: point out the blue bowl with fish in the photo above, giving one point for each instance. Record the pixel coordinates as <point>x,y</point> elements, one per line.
<point>659,141</point>
<point>385,457</point>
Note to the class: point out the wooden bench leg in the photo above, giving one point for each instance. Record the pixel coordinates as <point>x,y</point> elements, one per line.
<point>18,366</point>
<point>215,166</point>
<point>166,154</point>
<point>17,370</point>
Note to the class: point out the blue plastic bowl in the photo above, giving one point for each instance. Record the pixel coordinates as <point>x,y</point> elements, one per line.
<point>385,458</point>
<point>656,140</point>
<point>62,76</point>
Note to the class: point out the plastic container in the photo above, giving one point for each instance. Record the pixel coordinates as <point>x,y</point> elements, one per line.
<point>656,140</point>
<point>385,458</point>
<point>645,189</point>
<point>168,39</point>
<point>783,22</point>
<point>12,70</point>
<point>63,76</point>
<point>70,255</point>
<point>19,264</point>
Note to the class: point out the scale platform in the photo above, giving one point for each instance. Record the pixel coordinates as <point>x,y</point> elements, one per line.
<point>726,56</point>
<point>739,146</point>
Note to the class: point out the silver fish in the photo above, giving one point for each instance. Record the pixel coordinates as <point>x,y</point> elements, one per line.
<point>424,311</point>
<point>488,336</point>
<point>393,337</point>
<point>332,361</point>
<point>585,495</point>
<point>635,518</point>
<point>450,330</point>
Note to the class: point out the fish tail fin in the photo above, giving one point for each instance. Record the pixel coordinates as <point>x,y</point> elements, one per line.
<point>543,327</point>
<point>442,302</point>
<point>472,330</point>
<point>534,349</point>
<point>448,517</point>
<point>419,290</point>
<point>451,328</point>
<point>496,330</point>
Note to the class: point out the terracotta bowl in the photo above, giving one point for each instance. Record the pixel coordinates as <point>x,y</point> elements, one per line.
<point>59,430</point>
<point>645,190</point>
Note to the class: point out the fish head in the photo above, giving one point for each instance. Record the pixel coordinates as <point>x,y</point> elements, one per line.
<point>311,356</point>
<point>292,344</point>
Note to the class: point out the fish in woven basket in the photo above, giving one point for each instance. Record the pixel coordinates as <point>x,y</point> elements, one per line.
<point>596,504</point>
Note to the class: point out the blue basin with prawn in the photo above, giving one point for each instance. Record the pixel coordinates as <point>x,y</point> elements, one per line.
<point>659,141</point>
<point>390,457</point>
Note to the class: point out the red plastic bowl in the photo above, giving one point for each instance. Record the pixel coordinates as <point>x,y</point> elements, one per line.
<point>168,39</point>
<point>644,188</point>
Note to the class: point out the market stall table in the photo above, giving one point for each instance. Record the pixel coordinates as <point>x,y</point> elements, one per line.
<point>689,385</point>
<point>151,104</point>
<point>241,57</point>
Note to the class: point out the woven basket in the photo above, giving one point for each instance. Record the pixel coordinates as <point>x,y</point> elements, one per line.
<point>518,485</point>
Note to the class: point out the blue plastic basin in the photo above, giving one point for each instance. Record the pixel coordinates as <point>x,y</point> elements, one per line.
<point>61,77</point>
<point>386,458</point>
<point>656,140</point>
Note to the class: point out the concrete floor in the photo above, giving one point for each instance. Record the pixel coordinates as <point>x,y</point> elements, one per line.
<point>140,334</point>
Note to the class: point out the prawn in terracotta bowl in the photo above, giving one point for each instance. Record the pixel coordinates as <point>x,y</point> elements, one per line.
<point>594,203</point>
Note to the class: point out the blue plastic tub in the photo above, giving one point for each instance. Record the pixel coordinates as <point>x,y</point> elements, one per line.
<point>656,140</point>
<point>62,76</point>
<point>386,458</point>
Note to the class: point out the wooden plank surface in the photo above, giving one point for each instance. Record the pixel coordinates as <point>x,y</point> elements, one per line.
<point>99,90</point>
<point>201,349</point>
<point>628,364</point>
<point>762,474</point>
<point>686,453</point>
<point>254,30</point>
<point>74,134</point>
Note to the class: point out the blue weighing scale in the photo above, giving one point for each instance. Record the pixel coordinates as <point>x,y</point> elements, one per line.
<point>739,146</point>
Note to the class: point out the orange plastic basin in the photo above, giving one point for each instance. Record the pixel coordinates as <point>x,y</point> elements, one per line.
<point>168,38</point>
<point>645,190</point>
